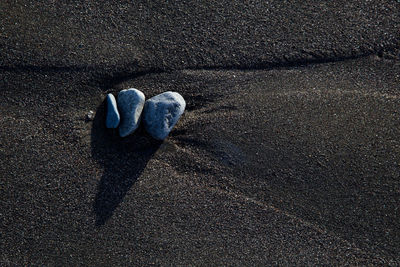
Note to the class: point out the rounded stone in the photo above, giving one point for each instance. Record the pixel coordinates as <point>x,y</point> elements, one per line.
<point>112,118</point>
<point>130,105</point>
<point>162,112</point>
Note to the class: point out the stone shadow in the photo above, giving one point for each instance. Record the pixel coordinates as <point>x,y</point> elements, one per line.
<point>123,159</point>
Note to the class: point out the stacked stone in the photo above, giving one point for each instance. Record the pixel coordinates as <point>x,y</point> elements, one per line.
<point>160,113</point>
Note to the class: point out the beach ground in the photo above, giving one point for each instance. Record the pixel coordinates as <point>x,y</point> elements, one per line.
<point>288,152</point>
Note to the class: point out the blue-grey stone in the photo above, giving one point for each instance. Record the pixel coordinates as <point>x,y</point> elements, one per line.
<point>112,118</point>
<point>162,112</point>
<point>130,105</point>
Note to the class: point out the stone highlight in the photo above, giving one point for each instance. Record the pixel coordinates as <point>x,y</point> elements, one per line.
<point>130,105</point>
<point>112,118</point>
<point>162,112</point>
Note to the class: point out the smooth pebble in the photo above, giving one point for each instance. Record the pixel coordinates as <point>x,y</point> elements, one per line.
<point>162,112</point>
<point>113,118</point>
<point>130,104</point>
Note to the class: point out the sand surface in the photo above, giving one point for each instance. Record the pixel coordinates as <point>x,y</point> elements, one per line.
<point>288,152</point>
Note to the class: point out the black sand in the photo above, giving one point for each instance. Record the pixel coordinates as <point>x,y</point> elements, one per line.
<point>288,152</point>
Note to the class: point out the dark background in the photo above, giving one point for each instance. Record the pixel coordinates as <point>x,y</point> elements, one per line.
<point>288,152</point>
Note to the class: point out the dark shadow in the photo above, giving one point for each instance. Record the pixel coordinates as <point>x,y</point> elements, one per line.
<point>124,160</point>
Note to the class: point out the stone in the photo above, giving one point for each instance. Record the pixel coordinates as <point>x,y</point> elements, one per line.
<point>89,116</point>
<point>162,112</point>
<point>112,118</point>
<point>130,105</point>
